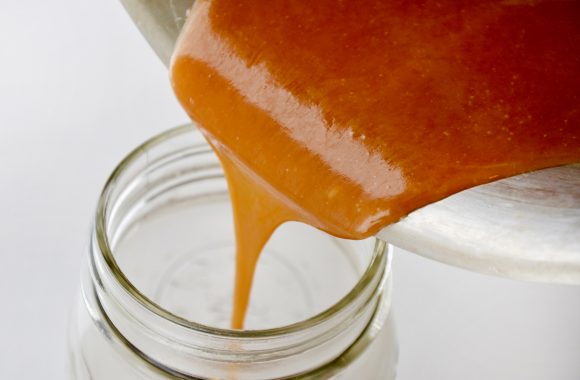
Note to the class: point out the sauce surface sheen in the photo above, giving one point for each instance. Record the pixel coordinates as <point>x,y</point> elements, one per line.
<point>349,115</point>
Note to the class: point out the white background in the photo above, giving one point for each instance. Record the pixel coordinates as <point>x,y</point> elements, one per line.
<point>79,88</point>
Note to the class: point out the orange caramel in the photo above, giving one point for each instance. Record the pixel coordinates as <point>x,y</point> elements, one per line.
<point>348,115</point>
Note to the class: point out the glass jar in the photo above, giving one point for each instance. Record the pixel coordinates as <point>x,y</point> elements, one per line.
<point>157,285</point>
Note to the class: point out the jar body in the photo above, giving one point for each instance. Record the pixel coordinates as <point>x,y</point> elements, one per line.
<point>157,286</point>
<point>95,352</point>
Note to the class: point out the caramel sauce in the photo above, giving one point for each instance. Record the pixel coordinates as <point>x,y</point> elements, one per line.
<point>349,115</point>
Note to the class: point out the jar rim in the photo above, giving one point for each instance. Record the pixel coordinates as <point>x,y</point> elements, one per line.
<point>373,269</point>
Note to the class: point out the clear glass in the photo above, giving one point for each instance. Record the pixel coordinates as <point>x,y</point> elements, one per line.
<point>157,286</point>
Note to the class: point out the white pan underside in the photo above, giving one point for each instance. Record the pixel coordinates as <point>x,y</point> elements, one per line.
<point>525,227</point>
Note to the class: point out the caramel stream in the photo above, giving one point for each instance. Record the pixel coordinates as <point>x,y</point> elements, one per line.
<point>349,115</point>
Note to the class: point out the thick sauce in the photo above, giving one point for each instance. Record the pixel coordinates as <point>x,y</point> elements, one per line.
<point>349,115</point>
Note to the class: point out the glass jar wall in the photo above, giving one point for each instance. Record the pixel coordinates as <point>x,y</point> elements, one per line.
<point>157,285</point>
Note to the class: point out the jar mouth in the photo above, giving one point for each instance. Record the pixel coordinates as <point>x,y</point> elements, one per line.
<point>381,253</point>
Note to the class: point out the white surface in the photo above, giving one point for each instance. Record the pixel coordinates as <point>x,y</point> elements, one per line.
<point>79,88</point>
